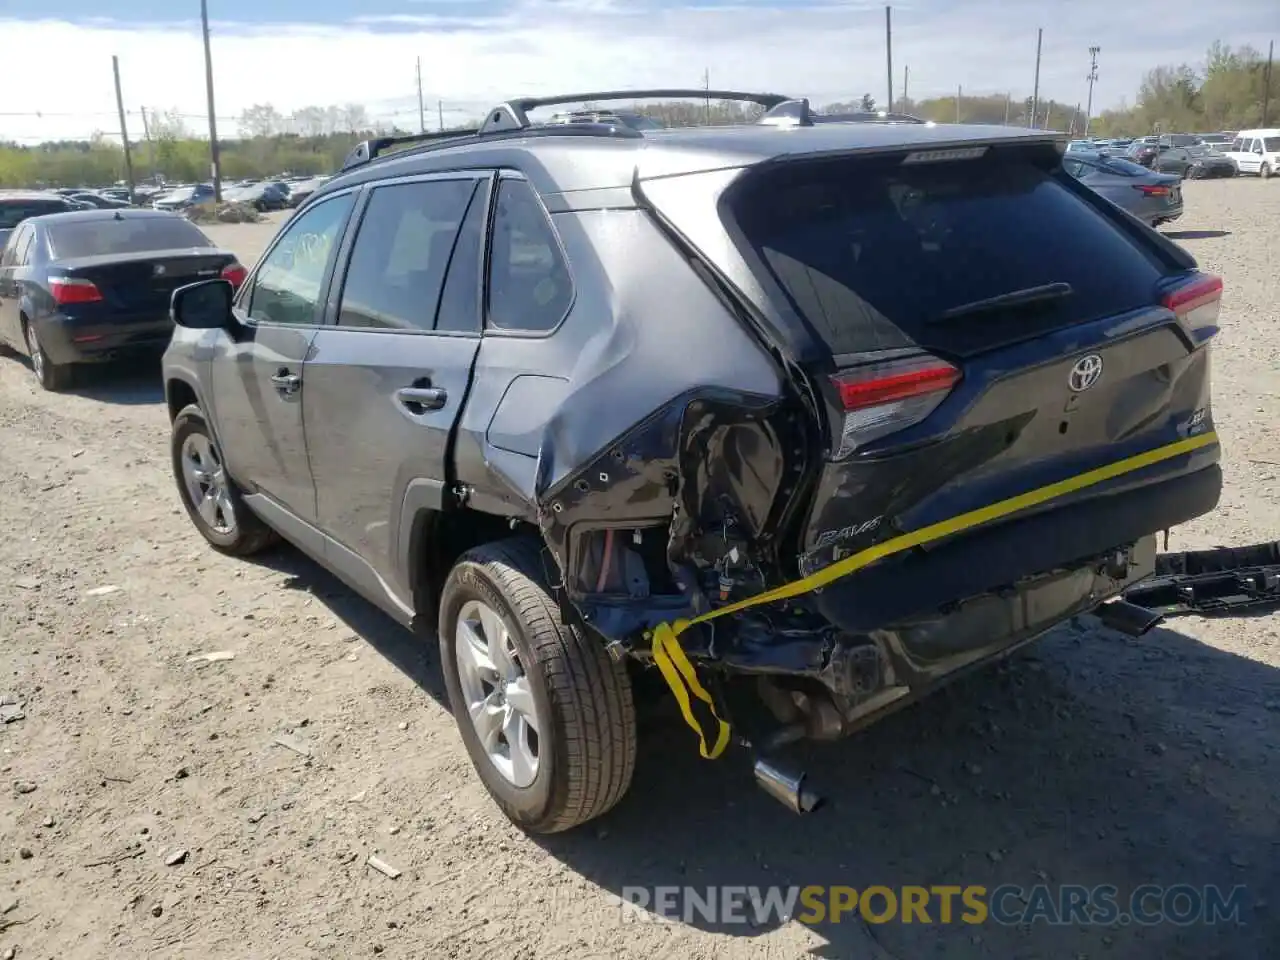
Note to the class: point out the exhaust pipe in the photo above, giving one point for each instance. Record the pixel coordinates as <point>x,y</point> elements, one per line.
<point>1128,618</point>
<point>787,788</point>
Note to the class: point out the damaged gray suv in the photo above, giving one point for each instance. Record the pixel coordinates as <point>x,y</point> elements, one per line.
<point>827,409</point>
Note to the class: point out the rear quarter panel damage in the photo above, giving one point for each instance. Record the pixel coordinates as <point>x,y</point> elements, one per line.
<point>662,402</point>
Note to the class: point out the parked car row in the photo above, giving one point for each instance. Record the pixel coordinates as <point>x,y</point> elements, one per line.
<point>1195,156</point>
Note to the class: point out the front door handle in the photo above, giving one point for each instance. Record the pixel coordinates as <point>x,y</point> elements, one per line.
<point>419,400</point>
<point>286,382</point>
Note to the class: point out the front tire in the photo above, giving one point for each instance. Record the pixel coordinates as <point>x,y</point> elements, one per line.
<point>544,712</point>
<point>211,498</point>
<point>1265,171</point>
<point>51,376</point>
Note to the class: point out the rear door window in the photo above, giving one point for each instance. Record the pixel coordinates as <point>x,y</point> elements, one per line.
<point>407,237</point>
<point>1271,144</point>
<point>874,253</point>
<point>96,238</point>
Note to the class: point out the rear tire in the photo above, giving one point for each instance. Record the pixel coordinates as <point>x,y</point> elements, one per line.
<point>220,514</point>
<point>52,376</point>
<point>566,688</point>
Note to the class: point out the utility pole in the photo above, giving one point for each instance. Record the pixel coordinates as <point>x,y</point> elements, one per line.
<point>906,78</point>
<point>1008,98</point>
<point>440,113</point>
<point>1093,76</point>
<point>214,166</point>
<point>151,146</point>
<point>1266,88</point>
<point>422,116</point>
<point>124,130</point>
<point>706,85</point>
<point>1035,96</point>
<point>959,97</point>
<point>888,50</point>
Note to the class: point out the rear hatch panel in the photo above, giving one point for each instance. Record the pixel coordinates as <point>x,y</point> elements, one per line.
<point>874,253</point>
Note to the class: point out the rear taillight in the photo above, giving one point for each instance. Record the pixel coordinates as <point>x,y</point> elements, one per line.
<point>1151,189</point>
<point>1196,304</point>
<point>882,398</point>
<point>69,290</point>
<point>235,273</point>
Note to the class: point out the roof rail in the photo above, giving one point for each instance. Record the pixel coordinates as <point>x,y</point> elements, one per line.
<point>367,150</point>
<point>514,114</point>
<point>797,113</point>
<point>789,113</point>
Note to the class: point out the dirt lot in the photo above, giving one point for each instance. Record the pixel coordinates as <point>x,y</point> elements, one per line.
<point>1088,759</point>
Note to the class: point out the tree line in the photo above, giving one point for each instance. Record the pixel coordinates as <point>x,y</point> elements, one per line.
<point>1229,91</point>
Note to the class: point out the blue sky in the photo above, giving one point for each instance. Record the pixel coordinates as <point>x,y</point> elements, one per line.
<point>293,53</point>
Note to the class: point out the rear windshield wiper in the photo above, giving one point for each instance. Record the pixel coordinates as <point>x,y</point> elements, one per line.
<point>1014,298</point>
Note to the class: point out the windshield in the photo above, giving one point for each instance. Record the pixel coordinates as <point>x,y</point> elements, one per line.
<point>94,238</point>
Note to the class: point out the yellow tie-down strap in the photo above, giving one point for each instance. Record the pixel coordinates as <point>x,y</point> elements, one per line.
<point>679,672</point>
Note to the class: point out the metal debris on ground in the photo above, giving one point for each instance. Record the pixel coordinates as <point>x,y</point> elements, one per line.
<point>102,591</point>
<point>214,656</point>
<point>9,712</point>
<point>383,867</point>
<point>293,744</point>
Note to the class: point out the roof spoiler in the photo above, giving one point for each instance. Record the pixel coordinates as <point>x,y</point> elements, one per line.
<point>513,115</point>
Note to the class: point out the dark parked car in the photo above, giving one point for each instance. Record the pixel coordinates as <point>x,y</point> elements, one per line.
<point>301,191</point>
<point>1153,198</point>
<point>19,205</point>
<point>1143,152</point>
<point>100,201</point>
<point>831,409</point>
<point>183,198</point>
<point>92,286</point>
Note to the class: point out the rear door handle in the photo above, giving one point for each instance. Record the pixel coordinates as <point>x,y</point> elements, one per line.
<point>419,400</point>
<point>287,382</point>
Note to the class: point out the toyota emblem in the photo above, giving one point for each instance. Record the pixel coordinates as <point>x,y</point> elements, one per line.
<point>1086,372</point>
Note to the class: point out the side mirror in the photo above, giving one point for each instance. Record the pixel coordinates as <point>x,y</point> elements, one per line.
<point>205,305</point>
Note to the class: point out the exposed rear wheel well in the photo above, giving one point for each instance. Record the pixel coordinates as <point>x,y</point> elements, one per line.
<point>179,394</point>
<point>437,541</point>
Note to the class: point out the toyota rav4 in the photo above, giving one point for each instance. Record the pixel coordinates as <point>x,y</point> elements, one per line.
<point>836,407</point>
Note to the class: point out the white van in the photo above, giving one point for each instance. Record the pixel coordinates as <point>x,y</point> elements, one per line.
<point>1256,151</point>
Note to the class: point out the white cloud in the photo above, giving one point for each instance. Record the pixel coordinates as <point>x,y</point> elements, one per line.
<point>471,57</point>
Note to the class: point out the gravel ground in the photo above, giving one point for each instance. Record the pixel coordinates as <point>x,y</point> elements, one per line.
<point>1088,759</point>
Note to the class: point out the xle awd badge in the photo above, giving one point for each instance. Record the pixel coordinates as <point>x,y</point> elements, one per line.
<point>159,270</point>
<point>1086,372</point>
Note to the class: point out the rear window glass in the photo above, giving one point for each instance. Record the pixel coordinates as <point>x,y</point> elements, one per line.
<point>874,252</point>
<point>13,212</point>
<point>93,238</point>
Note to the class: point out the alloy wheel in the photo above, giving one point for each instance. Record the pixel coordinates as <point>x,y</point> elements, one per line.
<point>496,689</point>
<point>37,354</point>
<point>208,486</point>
